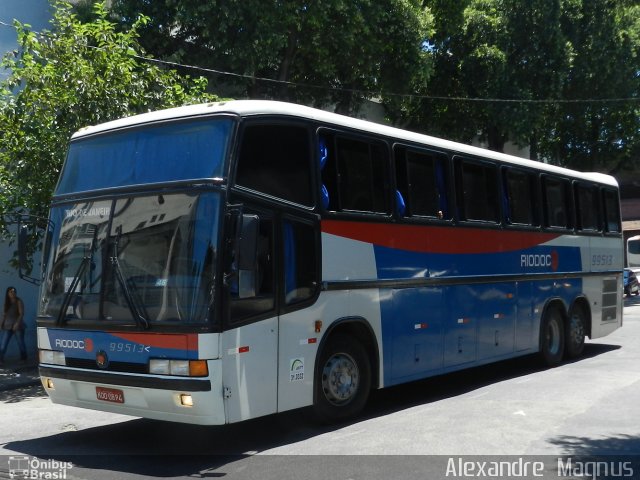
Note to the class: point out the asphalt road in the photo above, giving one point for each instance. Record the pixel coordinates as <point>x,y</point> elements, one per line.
<point>512,410</point>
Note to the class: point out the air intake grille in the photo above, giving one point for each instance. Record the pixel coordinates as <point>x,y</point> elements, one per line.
<point>609,299</point>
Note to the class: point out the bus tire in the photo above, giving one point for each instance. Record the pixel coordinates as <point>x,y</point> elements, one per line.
<point>552,337</point>
<point>342,380</point>
<point>576,330</point>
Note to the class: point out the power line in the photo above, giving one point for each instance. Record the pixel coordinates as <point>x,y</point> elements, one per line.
<point>389,94</point>
<point>369,93</point>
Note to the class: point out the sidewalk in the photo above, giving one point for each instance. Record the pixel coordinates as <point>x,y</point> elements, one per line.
<point>15,375</point>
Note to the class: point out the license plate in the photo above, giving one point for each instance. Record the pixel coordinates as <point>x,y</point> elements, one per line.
<point>110,395</point>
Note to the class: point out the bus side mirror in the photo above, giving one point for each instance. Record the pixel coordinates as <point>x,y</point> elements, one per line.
<point>34,235</point>
<point>247,252</point>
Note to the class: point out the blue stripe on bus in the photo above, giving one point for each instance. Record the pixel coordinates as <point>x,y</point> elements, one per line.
<point>431,330</point>
<point>436,329</point>
<point>393,263</point>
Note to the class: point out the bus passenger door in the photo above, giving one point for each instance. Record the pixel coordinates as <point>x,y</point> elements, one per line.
<point>250,338</point>
<point>301,311</point>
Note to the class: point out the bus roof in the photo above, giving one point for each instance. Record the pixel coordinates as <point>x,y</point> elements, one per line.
<point>246,108</point>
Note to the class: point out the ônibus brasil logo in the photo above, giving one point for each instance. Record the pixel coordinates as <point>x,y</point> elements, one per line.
<point>35,468</point>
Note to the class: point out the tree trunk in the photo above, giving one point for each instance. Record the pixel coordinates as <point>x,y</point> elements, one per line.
<point>495,139</point>
<point>344,105</point>
<point>533,147</point>
<point>285,64</point>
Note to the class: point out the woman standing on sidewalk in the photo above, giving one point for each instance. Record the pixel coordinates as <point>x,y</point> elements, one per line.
<point>12,323</point>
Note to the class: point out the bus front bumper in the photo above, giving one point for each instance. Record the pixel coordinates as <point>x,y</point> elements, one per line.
<point>176,399</point>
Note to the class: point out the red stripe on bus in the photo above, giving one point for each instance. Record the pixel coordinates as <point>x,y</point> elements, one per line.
<point>159,340</point>
<point>425,239</point>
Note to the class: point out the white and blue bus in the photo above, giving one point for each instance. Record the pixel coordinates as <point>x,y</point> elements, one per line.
<point>215,263</point>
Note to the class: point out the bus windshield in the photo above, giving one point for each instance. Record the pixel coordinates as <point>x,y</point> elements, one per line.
<point>159,153</point>
<point>134,260</point>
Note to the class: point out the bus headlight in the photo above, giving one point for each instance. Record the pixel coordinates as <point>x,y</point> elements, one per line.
<point>180,368</point>
<point>52,357</point>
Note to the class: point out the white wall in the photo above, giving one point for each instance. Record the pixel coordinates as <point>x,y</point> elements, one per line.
<point>509,148</point>
<point>37,13</point>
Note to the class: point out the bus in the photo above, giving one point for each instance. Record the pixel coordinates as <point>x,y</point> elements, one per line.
<point>633,253</point>
<point>214,263</point>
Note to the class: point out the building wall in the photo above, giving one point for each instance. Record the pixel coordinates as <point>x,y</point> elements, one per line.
<point>509,148</point>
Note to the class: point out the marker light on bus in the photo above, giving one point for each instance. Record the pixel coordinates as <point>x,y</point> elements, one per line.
<point>52,357</point>
<point>182,368</point>
<point>186,400</point>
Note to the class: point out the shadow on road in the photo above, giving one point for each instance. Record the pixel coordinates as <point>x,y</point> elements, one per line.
<point>23,393</point>
<point>583,446</point>
<point>163,449</point>
<point>631,300</point>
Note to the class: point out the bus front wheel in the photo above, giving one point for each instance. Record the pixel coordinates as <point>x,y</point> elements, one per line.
<point>342,380</point>
<point>552,337</point>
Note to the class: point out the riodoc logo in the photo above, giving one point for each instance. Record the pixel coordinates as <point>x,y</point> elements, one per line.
<point>71,344</point>
<point>537,260</point>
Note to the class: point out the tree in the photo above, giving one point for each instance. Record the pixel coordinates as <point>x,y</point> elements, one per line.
<point>328,52</point>
<point>592,130</point>
<point>503,50</point>
<point>75,75</point>
<point>542,73</point>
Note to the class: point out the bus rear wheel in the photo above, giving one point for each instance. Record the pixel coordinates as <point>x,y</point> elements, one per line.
<point>342,380</point>
<point>576,331</point>
<point>552,336</point>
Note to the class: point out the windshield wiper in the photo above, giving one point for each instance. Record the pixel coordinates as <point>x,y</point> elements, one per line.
<point>138,317</point>
<point>86,260</point>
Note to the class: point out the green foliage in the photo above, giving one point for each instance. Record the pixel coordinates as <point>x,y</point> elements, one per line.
<point>603,54</point>
<point>343,46</point>
<point>497,49</point>
<point>335,52</point>
<point>529,54</point>
<point>75,75</point>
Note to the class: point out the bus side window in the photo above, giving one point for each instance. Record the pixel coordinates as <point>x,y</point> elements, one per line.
<point>557,202</point>
<point>477,191</point>
<point>264,299</point>
<point>521,197</point>
<point>275,160</point>
<point>300,256</point>
<point>612,211</point>
<point>355,174</point>
<point>588,208</point>
<point>421,180</point>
